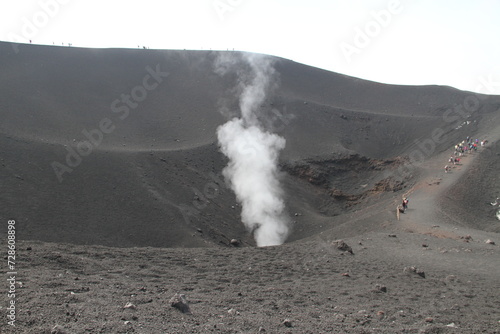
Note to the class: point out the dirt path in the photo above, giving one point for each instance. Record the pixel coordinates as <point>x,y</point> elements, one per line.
<point>425,217</point>
<point>423,213</point>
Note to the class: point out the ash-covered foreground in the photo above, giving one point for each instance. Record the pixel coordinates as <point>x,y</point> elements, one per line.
<point>310,287</point>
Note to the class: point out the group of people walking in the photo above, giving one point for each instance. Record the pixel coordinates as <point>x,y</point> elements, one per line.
<point>461,149</point>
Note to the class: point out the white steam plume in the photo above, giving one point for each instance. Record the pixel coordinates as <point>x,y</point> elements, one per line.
<point>252,171</point>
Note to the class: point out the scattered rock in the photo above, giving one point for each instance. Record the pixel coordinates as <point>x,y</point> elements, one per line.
<point>232,311</point>
<point>380,315</point>
<point>129,317</point>
<point>180,302</point>
<point>127,322</point>
<point>467,238</point>
<point>129,306</point>
<point>414,270</point>
<point>235,242</point>
<point>28,248</point>
<point>452,325</point>
<point>262,330</point>
<point>287,323</point>
<point>489,241</point>
<point>425,245</point>
<point>429,319</point>
<point>78,290</point>
<point>58,330</point>
<point>341,245</point>
<point>380,288</point>
<point>392,236</point>
<point>346,275</point>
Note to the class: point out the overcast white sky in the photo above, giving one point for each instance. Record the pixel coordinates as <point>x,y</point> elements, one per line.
<point>445,42</point>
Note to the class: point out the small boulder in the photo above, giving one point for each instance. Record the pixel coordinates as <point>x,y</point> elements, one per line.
<point>414,270</point>
<point>489,241</point>
<point>341,245</point>
<point>180,302</point>
<point>234,242</point>
<point>232,311</point>
<point>129,306</point>
<point>380,288</point>
<point>287,323</point>
<point>467,238</point>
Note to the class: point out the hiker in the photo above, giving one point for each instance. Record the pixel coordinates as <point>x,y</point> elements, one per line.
<point>446,168</point>
<point>405,203</point>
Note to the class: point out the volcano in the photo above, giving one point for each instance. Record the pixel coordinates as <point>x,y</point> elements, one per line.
<point>112,171</point>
